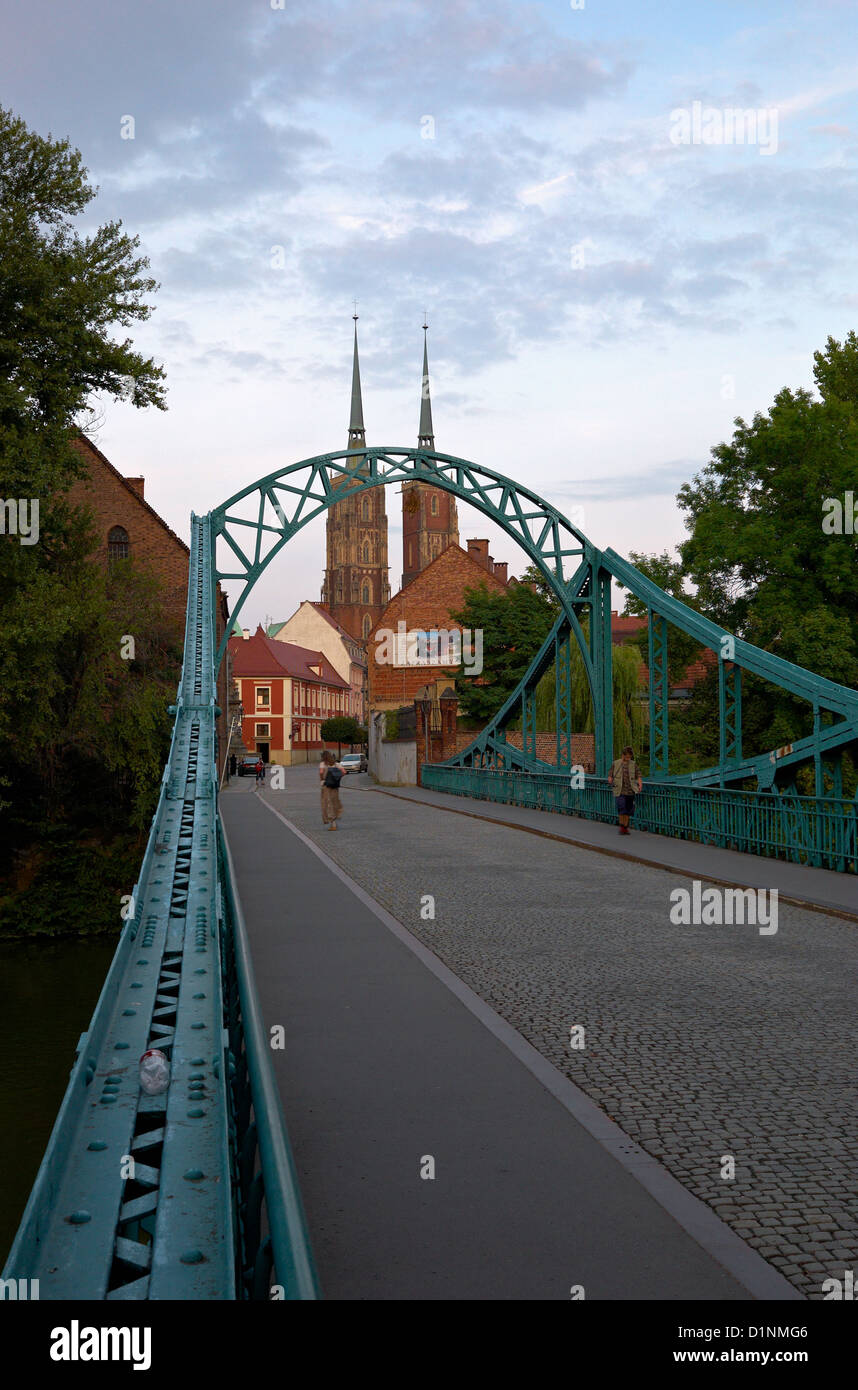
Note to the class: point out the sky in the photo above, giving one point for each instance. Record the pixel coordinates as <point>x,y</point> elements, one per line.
<point>610,275</point>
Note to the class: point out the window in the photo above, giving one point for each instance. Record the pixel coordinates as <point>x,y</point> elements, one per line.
<point>262,731</point>
<point>364,508</point>
<point>118,547</point>
<point>263,697</point>
<point>434,504</point>
<point>367,622</point>
<point>366,552</point>
<point>365,596</point>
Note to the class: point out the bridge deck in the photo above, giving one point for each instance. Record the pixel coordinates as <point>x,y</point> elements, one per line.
<point>798,883</point>
<point>390,1058</point>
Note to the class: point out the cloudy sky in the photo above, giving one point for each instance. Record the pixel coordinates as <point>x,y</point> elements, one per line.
<point>610,278</point>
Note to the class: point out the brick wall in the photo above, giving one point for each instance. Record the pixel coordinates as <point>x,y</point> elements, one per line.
<point>117,501</point>
<point>583,747</point>
<point>424,604</point>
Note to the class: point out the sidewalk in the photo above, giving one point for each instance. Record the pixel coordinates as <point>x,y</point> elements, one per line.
<point>391,1060</point>
<point>819,888</point>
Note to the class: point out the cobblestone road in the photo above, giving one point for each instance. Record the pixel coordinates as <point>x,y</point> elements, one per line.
<point>700,1041</point>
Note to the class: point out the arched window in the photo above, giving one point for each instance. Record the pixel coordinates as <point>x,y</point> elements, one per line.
<point>434,504</point>
<point>366,552</point>
<point>118,547</point>
<point>367,624</point>
<point>364,508</point>
<point>365,595</point>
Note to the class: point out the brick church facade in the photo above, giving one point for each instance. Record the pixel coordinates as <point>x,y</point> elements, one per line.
<point>356,587</point>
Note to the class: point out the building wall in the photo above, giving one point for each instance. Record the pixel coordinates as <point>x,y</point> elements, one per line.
<point>356,560</point>
<point>426,532</point>
<point>423,604</point>
<point>117,501</point>
<point>583,747</point>
<point>309,628</point>
<point>392,764</point>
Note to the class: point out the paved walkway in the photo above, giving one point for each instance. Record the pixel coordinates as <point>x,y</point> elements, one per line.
<point>449,1038</point>
<point>823,888</point>
<point>699,1042</point>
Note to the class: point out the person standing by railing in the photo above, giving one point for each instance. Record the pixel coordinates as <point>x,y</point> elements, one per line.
<point>625,778</point>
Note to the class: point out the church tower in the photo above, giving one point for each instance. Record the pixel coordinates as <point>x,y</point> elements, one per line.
<point>429,519</point>
<point>356,589</point>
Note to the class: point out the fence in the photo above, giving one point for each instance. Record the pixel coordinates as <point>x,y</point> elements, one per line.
<point>818,830</point>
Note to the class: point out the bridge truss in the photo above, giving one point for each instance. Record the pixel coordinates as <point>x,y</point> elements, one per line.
<point>193,1193</point>
<point>189,1194</point>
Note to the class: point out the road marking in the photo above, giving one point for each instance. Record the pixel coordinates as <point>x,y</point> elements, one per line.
<point>697,1219</point>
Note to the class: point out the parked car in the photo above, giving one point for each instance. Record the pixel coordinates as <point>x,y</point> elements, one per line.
<point>247,766</point>
<point>354,762</point>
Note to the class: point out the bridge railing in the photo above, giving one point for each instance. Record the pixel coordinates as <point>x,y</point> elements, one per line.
<point>818,830</point>
<point>273,1239</point>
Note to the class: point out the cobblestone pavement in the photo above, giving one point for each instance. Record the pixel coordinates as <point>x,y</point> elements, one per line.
<point>700,1041</point>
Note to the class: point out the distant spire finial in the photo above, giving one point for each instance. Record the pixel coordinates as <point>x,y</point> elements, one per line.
<point>425,434</point>
<point>357,434</point>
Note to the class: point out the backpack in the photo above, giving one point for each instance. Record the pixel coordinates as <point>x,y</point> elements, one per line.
<point>333,777</point>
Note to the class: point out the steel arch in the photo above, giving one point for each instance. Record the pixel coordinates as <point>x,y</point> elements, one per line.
<point>278,507</point>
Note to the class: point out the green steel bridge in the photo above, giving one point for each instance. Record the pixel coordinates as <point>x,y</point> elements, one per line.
<point>192,1193</point>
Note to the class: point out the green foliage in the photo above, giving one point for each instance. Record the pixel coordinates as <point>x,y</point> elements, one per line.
<point>763,567</point>
<point>342,728</point>
<point>84,731</point>
<point>629,723</point>
<point>69,883</point>
<point>514,624</point>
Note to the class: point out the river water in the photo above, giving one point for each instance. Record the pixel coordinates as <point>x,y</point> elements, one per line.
<point>48,990</point>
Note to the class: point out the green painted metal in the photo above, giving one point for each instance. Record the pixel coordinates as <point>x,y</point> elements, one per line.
<point>658,694</point>
<point>181,1224</point>
<point>257,522</point>
<point>820,831</point>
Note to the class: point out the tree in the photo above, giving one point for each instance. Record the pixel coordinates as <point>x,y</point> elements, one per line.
<point>340,729</point>
<point>83,729</point>
<point>668,574</point>
<point>757,552</point>
<point>514,624</point>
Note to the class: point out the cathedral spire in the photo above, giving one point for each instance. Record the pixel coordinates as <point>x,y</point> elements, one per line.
<point>357,434</point>
<point>425,435</point>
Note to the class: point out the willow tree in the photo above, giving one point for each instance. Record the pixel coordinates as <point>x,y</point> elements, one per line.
<point>629,720</point>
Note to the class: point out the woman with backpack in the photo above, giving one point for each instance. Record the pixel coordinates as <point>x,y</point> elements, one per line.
<point>331,774</point>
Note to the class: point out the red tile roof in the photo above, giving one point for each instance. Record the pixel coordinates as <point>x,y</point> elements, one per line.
<point>260,655</point>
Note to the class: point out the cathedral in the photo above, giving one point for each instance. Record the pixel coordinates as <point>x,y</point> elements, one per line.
<point>356,589</point>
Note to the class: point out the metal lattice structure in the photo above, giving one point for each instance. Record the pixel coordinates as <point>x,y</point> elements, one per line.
<point>255,524</point>
<point>192,1193</point>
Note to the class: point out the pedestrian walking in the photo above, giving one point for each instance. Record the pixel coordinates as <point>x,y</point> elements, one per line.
<point>232,764</point>
<point>331,774</point>
<point>260,771</point>
<point>625,779</point>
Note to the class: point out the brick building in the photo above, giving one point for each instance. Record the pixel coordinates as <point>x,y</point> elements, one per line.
<point>312,626</point>
<point>424,606</point>
<point>429,518</point>
<point>286,693</point>
<point>128,527</point>
<point>356,586</point>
